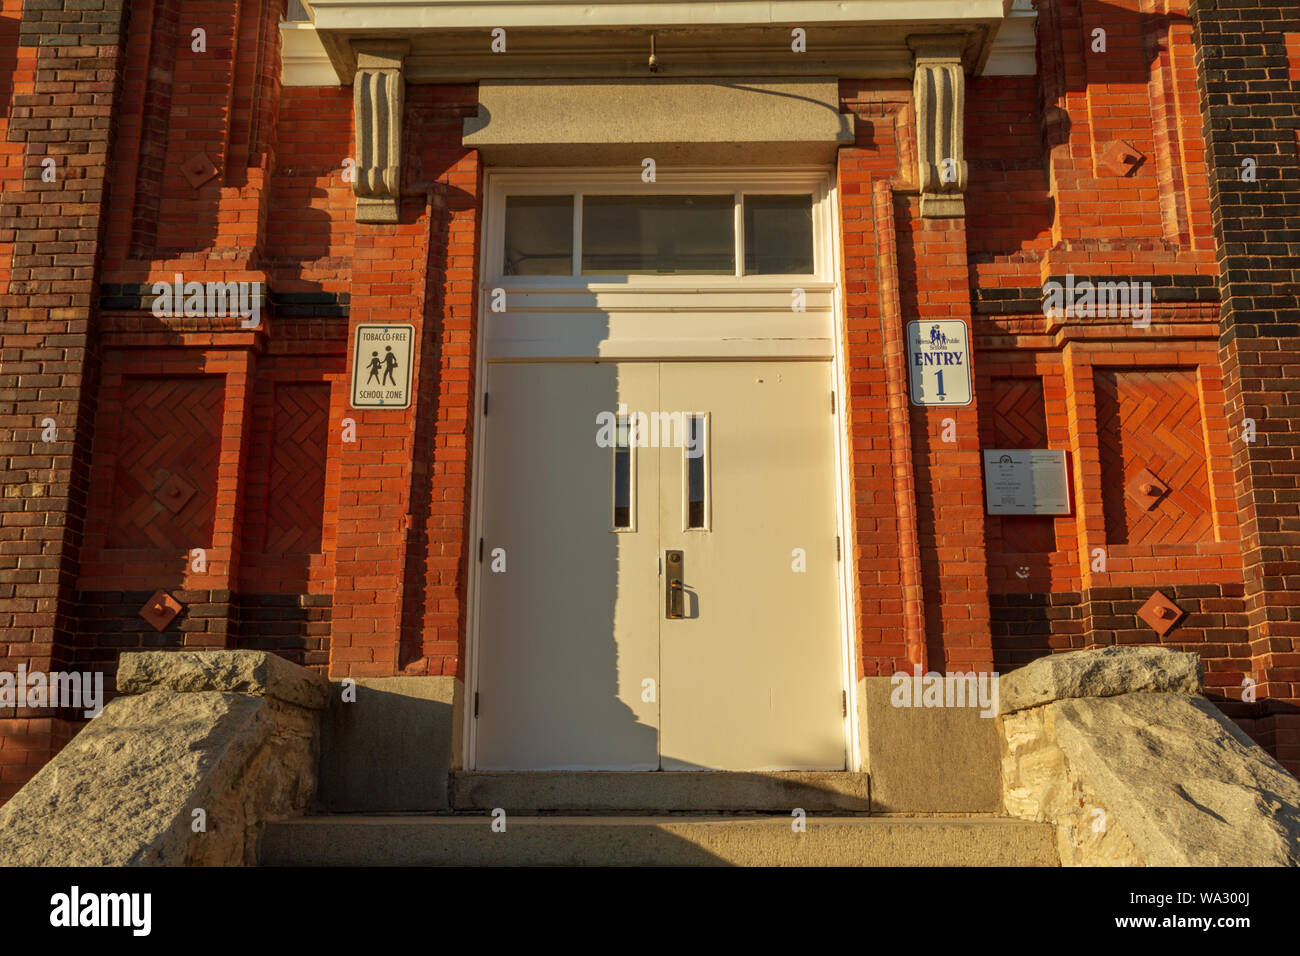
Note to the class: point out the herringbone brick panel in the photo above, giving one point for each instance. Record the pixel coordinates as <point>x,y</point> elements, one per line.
<point>1020,421</point>
<point>171,429</point>
<point>296,493</point>
<point>1151,419</point>
<point>1018,417</point>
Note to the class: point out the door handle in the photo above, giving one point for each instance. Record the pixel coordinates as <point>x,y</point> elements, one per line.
<point>674,590</point>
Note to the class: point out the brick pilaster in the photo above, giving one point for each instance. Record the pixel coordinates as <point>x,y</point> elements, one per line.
<point>64,96</point>
<point>375,478</point>
<point>946,456</point>
<point>1250,108</point>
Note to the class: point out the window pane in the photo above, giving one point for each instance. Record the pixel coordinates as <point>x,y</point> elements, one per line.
<point>622,476</point>
<point>673,235</point>
<point>778,235</point>
<point>539,236</point>
<point>695,452</point>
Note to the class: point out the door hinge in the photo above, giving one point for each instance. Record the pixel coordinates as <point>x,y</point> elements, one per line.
<point>485,404</point>
<point>844,703</point>
<point>480,550</point>
<point>837,548</point>
<point>832,402</point>
<point>475,703</point>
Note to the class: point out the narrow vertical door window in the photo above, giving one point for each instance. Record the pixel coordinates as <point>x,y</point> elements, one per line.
<point>623,490</point>
<point>697,472</point>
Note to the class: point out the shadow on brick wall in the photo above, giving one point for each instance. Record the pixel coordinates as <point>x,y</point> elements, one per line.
<point>8,61</point>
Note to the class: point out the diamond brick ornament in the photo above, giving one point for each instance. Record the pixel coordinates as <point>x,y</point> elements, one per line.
<point>1122,157</point>
<point>1145,490</point>
<point>198,169</point>
<point>160,610</point>
<point>174,493</point>
<point>1160,613</point>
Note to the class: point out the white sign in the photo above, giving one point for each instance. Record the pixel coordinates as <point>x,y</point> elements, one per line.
<point>382,356</point>
<point>1018,482</point>
<point>938,361</point>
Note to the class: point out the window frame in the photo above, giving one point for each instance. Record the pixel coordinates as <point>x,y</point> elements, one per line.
<point>815,182</point>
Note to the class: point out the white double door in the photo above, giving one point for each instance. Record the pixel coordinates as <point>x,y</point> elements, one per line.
<point>588,658</point>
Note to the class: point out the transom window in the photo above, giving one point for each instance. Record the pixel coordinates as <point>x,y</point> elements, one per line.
<point>659,234</point>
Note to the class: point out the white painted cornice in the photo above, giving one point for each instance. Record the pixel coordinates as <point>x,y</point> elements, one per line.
<point>559,14</point>
<point>450,39</point>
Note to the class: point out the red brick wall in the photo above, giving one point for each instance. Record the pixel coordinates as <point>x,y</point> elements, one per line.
<point>1149,422</point>
<point>1009,210</point>
<point>1046,198</point>
<point>16,65</point>
<point>61,93</point>
<point>189,397</point>
<point>308,241</point>
<point>165,455</point>
<point>1259,326</point>
<point>433,626</point>
<point>884,544</point>
<point>400,581</point>
<point>294,506</point>
<point>352,556</point>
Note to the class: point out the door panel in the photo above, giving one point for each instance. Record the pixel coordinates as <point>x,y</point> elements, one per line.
<point>752,676</point>
<point>569,631</point>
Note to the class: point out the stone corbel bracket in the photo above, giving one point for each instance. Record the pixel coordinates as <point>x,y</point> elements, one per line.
<point>939,88</point>
<point>378,94</point>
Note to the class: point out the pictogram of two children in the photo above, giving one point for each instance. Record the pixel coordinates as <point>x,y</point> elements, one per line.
<point>388,364</point>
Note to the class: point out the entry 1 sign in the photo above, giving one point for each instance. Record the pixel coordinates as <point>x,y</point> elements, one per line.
<point>382,357</point>
<point>938,361</point>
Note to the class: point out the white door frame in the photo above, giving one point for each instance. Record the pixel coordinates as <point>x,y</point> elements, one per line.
<point>646,294</point>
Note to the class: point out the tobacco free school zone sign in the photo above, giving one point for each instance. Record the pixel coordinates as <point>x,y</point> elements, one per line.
<point>382,357</point>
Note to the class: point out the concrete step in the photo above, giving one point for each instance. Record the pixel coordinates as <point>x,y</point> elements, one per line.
<point>557,791</point>
<point>668,840</point>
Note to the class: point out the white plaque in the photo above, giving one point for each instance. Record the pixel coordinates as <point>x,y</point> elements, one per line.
<point>382,357</point>
<point>938,362</point>
<point>1026,482</point>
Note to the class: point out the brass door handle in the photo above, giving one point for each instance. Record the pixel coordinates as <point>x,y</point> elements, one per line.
<point>674,590</point>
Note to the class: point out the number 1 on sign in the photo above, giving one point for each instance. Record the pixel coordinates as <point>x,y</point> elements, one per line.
<point>939,375</point>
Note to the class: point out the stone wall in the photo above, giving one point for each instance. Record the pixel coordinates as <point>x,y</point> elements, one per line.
<point>185,769</point>
<point>1121,752</point>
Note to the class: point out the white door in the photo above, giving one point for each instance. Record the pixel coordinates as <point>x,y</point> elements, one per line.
<point>568,625</point>
<point>751,675</point>
<point>586,661</point>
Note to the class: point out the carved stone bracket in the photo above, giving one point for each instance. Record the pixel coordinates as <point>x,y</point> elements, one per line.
<point>939,88</point>
<point>378,93</point>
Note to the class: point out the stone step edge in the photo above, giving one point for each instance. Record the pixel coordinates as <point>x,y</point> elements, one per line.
<point>659,791</point>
